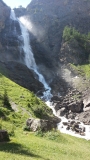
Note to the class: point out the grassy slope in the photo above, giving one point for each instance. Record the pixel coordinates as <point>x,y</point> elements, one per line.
<point>25,145</point>
<point>23,101</point>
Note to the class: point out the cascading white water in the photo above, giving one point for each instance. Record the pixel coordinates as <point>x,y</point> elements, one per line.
<point>30,63</point>
<point>62,128</point>
<point>29,58</point>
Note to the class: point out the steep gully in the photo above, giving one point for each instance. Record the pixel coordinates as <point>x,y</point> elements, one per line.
<point>31,64</point>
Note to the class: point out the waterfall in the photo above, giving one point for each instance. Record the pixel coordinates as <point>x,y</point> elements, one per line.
<point>12,15</point>
<point>29,58</point>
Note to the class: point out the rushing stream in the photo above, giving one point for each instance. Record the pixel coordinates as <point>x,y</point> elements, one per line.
<point>31,64</point>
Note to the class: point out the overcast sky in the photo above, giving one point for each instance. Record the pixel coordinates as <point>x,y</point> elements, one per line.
<point>16,3</point>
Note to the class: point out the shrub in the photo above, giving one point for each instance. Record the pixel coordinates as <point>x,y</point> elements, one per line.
<point>6,102</point>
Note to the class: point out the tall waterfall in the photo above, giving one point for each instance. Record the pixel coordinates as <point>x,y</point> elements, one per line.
<point>29,58</point>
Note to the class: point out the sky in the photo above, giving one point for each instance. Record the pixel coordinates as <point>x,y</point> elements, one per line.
<point>16,3</point>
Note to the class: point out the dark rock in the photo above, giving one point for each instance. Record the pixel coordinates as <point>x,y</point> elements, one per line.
<point>65,123</point>
<point>68,128</point>
<point>4,136</point>
<point>72,122</point>
<point>57,107</point>
<point>75,127</point>
<point>76,107</point>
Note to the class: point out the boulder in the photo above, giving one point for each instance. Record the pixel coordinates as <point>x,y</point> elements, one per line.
<point>61,112</point>
<point>76,106</point>
<point>4,136</point>
<point>41,124</point>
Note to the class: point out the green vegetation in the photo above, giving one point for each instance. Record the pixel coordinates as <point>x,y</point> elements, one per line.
<point>71,33</point>
<point>83,40</point>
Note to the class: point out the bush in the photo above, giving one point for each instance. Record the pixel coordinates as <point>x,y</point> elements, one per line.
<point>26,128</point>
<point>6,102</point>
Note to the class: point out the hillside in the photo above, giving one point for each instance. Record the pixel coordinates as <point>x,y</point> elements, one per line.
<point>17,104</point>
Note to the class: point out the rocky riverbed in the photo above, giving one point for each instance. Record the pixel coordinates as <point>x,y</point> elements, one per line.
<point>74,112</point>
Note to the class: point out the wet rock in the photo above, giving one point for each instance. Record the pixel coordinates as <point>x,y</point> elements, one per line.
<point>57,106</point>
<point>68,128</point>
<point>65,123</point>
<point>75,127</point>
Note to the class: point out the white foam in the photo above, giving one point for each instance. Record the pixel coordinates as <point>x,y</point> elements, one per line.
<point>62,128</point>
